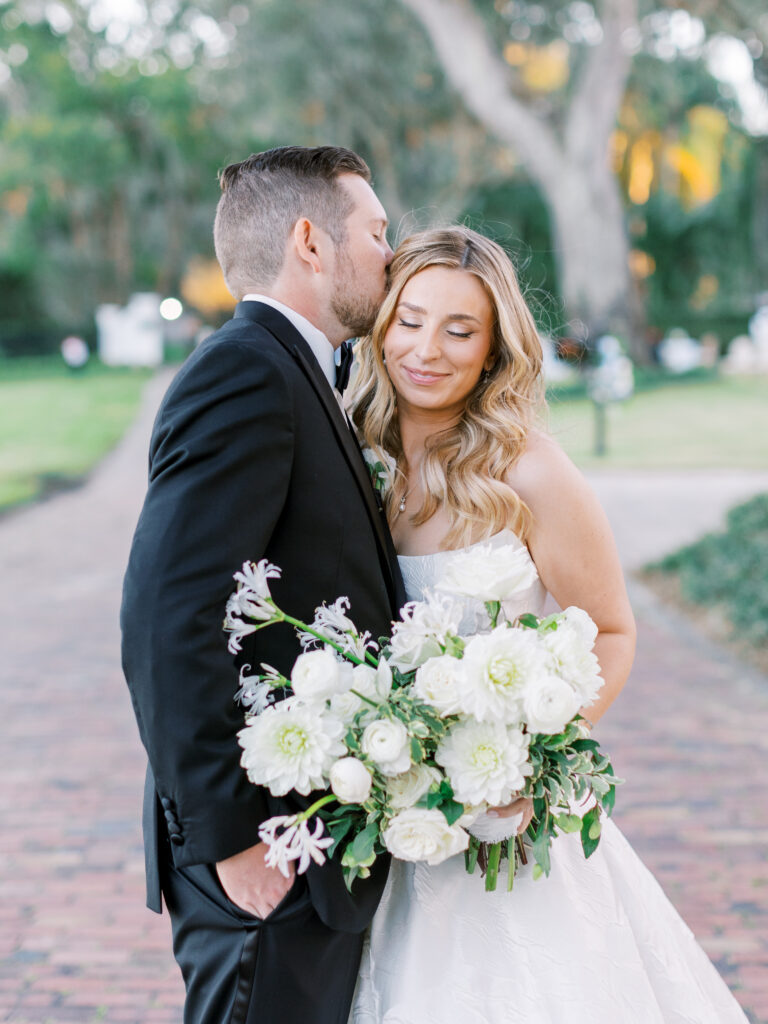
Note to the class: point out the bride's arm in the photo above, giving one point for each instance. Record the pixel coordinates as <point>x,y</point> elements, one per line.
<point>574,550</point>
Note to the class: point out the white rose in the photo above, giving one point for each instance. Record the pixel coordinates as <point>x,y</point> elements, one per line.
<point>318,675</point>
<point>422,631</point>
<point>485,762</point>
<point>350,780</point>
<point>386,742</point>
<point>489,573</point>
<point>407,789</point>
<point>439,682</point>
<point>549,704</point>
<point>422,835</point>
<point>498,668</point>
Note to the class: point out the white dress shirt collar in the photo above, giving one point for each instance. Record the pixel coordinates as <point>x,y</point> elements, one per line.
<point>322,349</point>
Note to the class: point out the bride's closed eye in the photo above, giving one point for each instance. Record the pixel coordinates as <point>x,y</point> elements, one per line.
<point>404,323</point>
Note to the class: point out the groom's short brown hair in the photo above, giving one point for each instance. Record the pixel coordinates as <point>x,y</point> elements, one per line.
<point>263,197</point>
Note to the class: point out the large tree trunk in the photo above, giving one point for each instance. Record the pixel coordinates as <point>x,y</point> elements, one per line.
<point>570,164</point>
<point>592,247</point>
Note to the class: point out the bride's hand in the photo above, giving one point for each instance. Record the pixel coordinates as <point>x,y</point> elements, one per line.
<point>521,805</point>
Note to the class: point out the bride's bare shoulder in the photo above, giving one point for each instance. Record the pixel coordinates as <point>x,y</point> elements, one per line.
<point>543,470</point>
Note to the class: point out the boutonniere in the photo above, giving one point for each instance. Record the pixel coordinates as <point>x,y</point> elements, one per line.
<point>381,467</point>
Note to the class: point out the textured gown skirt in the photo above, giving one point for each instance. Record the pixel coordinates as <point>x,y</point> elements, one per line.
<point>596,942</point>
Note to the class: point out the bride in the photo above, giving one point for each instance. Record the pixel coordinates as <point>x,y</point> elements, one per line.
<point>449,386</point>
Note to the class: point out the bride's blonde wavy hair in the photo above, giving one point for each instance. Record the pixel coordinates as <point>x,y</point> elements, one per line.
<point>464,466</point>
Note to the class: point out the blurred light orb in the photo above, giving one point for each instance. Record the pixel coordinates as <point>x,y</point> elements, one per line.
<point>171,309</point>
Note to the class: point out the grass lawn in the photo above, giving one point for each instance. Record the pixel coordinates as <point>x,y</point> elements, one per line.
<point>55,424</point>
<point>709,423</point>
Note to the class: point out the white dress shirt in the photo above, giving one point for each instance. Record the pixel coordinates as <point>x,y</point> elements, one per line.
<point>322,349</point>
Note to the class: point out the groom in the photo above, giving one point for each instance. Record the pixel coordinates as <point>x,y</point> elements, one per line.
<point>252,457</point>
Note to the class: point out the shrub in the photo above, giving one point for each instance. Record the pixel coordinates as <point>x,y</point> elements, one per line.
<point>730,569</point>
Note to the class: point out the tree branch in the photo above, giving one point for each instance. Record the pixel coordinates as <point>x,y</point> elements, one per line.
<point>478,73</point>
<point>592,111</point>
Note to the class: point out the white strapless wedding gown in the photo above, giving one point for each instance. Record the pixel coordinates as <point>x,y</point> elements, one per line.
<point>597,942</point>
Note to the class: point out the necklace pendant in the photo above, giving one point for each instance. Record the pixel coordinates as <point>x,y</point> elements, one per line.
<point>402,505</point>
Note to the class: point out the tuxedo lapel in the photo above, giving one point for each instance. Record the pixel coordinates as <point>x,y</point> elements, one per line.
<point>291,339</point>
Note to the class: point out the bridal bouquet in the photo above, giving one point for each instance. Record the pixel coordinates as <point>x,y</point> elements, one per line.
<point>418,736</point>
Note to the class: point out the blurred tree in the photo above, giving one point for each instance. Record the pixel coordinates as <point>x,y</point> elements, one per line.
<point>560,134</point>
<point>107,169</point>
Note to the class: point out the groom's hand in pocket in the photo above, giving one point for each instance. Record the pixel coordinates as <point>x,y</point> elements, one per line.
<point>250,884</point>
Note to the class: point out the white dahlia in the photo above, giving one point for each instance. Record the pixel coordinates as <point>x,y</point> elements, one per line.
<point>291,747</point>
<point>486,762</point>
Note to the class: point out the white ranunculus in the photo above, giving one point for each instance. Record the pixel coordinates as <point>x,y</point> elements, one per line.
<point>350,780</point>
<point>582,623</point>
<point>422,631</point>
<point>489,573</point>
<point>407,789</point>
<point>439,682</point>
<point>498,667</point>
<point>291,746</point>
<point>571,656</point>
<point>417,834</point>
<point>318,675</point>
<point>386,742</point>
<point>550,703</point>
<point>486,762</point>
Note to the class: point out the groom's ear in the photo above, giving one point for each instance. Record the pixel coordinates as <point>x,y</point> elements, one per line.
<point>310,243</point>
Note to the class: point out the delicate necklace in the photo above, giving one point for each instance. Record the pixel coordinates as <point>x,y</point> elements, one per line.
<point>401,506</point>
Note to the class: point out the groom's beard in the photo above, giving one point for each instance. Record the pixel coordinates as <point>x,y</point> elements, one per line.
<point>354,310</point>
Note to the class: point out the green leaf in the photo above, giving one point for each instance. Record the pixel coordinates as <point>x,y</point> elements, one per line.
<point>589,842</point>
<point>568,823</point>
<point>452,810</point>
<point>417,751</point>
<point>361,847</point>
<point>609,800</point>
<point>537,871</point>
<point>541,844</point>
<point>529,621</point>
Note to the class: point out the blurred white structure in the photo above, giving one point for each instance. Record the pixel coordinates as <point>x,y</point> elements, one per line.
<point>679,352</point>
<point>74,352</point>
<point>131,335</point>
<point>613,378</point>
<point>553,369</point>
<point>758,332</point>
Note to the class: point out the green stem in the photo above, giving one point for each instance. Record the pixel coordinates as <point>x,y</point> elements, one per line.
<point>512,861</point>
<point>315,807</point>
<point>470,857</point>
<point>373,703</point>
<point>298,624</point>
<point>492,871</point>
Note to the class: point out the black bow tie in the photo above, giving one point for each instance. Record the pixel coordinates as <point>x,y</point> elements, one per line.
<point>344,367</point>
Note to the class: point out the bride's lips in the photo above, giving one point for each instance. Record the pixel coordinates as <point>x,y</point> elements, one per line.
<point>422,377</point>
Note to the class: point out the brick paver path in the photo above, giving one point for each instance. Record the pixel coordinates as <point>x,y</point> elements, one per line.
<point>76,943</point>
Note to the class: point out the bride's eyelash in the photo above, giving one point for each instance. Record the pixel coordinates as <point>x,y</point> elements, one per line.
<point>459,334</point>
<point>404,323</point>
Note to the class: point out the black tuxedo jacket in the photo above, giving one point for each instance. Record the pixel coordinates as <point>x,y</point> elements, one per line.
<point>250,458</point>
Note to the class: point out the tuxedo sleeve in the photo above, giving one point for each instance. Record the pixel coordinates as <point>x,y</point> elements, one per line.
<point>220,464</point>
